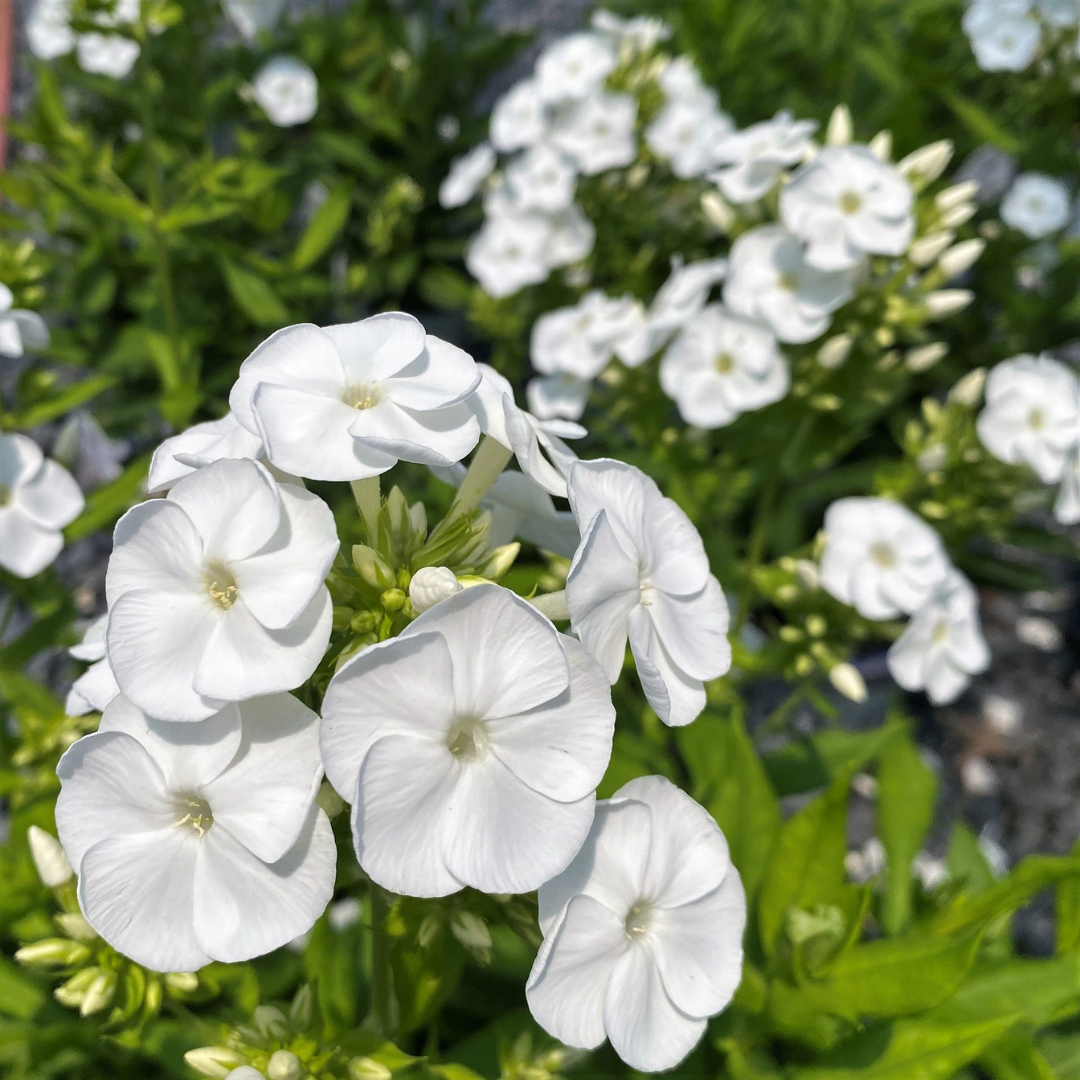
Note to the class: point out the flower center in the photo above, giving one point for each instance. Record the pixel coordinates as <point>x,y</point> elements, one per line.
<point>788,281</point>
<point>723,363</point>
<point>850,202</point>
<point>467,739</point>
<point>638,920</point>
<point>941,632</point>
<point>883,554</point>
<point>1036,420</point>
<point>5,495</point>
<point>195,813</point>
<point>361,396</point>
<point>647,590</point>
<point>221,585</point>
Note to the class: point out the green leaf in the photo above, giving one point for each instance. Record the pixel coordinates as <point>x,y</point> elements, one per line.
<point>981,124</point>
<point>1062,1052</point>
<point>907,793</point>
<point>20,996</point>
<point>965,860</point>
<point>1067,909</point>
<point>106,503</point>
<point>1016,1058</point>
<point>60,404</point>
<point>253,295</point>
<point>323,229</point>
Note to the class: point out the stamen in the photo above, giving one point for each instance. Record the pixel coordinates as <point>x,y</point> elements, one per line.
<point>638,920</point>
<point>850,202</point>
<point>723,363</point>
<point>883,554</point>
<point>467,740</point>
<point>221,585</point>
<point>198,815</point>
<point>362,396</point>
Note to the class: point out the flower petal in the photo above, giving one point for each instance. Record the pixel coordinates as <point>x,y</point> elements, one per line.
<point>25,547</point>
<point>694,630</point>
<point>52,499</point>
<point>438,437</point>
<point>155,546</point>
<point>441,375</point>
<point>676,697</point>
<point>377,348</point>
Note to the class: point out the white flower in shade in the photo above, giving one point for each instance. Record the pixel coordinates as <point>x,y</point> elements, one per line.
<point>1004,35</point>
<point>519,118</point>
<point>216,592</point>
<point>198,842</point>
<point>771,280</point>
<point>582,339</point>
<point>1036,205</point>
<point>571,238</point>
<point>20,330</point>
<point>287,91</point>
<point>880,558</point>
<point>686,135</point>
<point>641,572</point>
<point>642,931</point>
<point>541,179</point>
<point>37,499</point>
<point>1032,414</point>
<point>681,81</point>
<point>201,444</point>
<point>470,747</point>
<point>723,364</point>
<point>574,67</point>
<point>48,29</point>
<point>848,203</point>
<point>96,687</point>
<point>640,32</point>
<point>510,252</point>
<point>755,158</point>
<point>107,54</point>
<point>537,444</point>
<point>251,17</point>
<point>943,645</point>
<point>558,396</point>
<point>349,401</point>
<point>466,175</point>
<point>1059,13</point>
<point>598,133</point>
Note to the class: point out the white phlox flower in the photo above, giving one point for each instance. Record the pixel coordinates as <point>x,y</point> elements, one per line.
<point>880,558</point>
<point>470,747</point>
<point>1067,503</point>
<point>681,81</point>
<point>1036,205</point>
<point>182,454</point>
<point>106,54</point>
<point>598,133</point>
<point>572,236</point>
<point>1032,414</point>
<point>574,67</point>
<point>581,340</point>
<point>200,842</point>
<point>510,252</point>
<point>287,90</point>
<point>96,687</point>
<point>848,203</point>
<point>48,29</point>
<point>100,52</point>
<point>642,932</point>
<point>519,118</point>
<point>686,133</point>
<point>641,32</point>
<point>1004,34</point>
<point>348,402</point>
<point>542,180</point>
<point>38,498</point>
<point>216,593</point>
<point>721,365</point>
<point>561,396</point>
<point>641,573</point>
<point>770,279</point>
<point>537,444</point>
<point>943,644</point>
<point>20,330</point>
<point>1058,13</point>
<point>756,157</point>
<point>251,17</point>
<point>466,175</point>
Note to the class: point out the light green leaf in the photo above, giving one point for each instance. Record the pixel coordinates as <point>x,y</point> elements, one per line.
<point>253,295</point>
<point>20,996</point>
<point>1068,911</point>
<point>323,229</point>
<point>1016,1058</point>
<point>61,404</point>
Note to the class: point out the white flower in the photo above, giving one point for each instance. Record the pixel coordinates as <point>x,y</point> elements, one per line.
<point>466,175</point>
<point>1032,414</point>
<point>1003,34</point>
<point>756,156</point>
<point>96,687</point>
<point>430,584</point>
<point>770,279</point>
<point>880,558</point>
<point>287,91</point>
<point>641,571</point>
<point>37,499</point>
<point>554,396</point>
<point>198,843</point>
<point>642,932</point>
<point>470,747</point>
<point>847,203</point>
<point>216,592</point>
<point>541,179</point>
<point>582,339</point>
<point>349,401</point>
<point>1067,503</point>
<point>943,645</point>
<point>571,239</point>
<point>686,135</point>
<point>723,364</point>
<point>510,252</point>
<point>19,329</point>
<point>1036,205</point>
<point>1059,13</point>
<point>640,32</point>
<point>251,17</point>
<point>681,81</point>
<point>106,54</point>
<point>598,133</point>
<point>48,29</point>
<point>201,444</point>
<point>519,118</point>
<point>49,35</point>
<point>574,67</point>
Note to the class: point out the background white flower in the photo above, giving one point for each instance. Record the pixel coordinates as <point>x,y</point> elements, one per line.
<point>598,133</point>
<point>38,498</point>
<point>755,158</point>
<point>1003,33</point>
<point>574,66</point>
<point>96,687</point>
<point>198,843</point>
<point>581,340</point>
<point>562,396</point>
<point>50,35</point>
<point>106,54</point>
<point>642,932</point>
<point>686,134</point>
<point>287,91</point>
<point>519,117</point>
<point>470,747</point>
<point>20,330</point>
<point>216,592</point>
<point>641,572</point>
<point>880,558</point>
<point>1036,205</point>
<point>466,175</point>
<point>541,179</point>
<point>251,17</point>
<point>510,252</point>
<point>349,401</point>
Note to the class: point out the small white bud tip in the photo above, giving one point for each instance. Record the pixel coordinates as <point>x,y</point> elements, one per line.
<point>835,351</point>
<point>969,389</point>
<point>216,1062</point>
<point>430,584</point>
<point>840,127</point>
<point>926,356</point>
<point>52,865</point>
<point>945,302</point>
<point>849,682</point>
<point>961,257</point>
<point>284,1065</point>
<point>928,162</point>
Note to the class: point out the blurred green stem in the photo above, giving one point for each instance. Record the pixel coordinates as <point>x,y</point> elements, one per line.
<point>755,551</point>
<point>381,987</point>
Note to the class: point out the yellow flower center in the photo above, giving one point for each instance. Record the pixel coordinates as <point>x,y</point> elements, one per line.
<point>850,202</point>
<point>883,555</point>
<point>467,740</point>
<point>638,919</point>
<point>221,585</point>
<point>196,814</point>
<point>723,363</point>
<point>362,396</point>
<point>5,495</point>
<point>1036,419</point>
<point>788,281</point>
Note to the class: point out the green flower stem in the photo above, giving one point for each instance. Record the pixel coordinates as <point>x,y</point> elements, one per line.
<point>490,460</point>
<point>381,982</point>
<point>368,496</point>
<point>756,549</point>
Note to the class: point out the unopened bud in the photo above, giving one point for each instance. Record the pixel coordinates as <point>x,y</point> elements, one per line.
<point>75,926</point>
<point>816,625</point>
<point>928,162</point>
<point>835,351</point>
<point>881,145</point>
<point>393,599</point>
<point>945,302</point>
<point>270,1021</point>
<point>301,1012</point>
<point>214,1061</point>
<point>927,248</point>
<point>717,211</point>
<point>969,389</point>
<point>808,573</point>
<point>182,982</point>
<point>430,584</point>
<point>372,567</point>
<point>956,216</point>
<point>471,931</point>
<point>52,865</point>
<point>74,990</point>
<point>53,952</point>
<point>284,1065</point>
<point>245,1072</point>
<point>499,561</point>
<point>365,1068</point>
<point>826,402</point>
<point>99,993</point>
<point>956,195</point>
<point>925,356</point>
<point>848,681</point>
<point>961,257</point>
<point>840,128</point>
<point>364,622</point>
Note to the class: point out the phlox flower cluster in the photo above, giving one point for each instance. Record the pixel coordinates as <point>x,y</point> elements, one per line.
<point>468,736</point>
<point>101,51</point>
<point>1037,205</point>
<point>886,562</point>
<point>1010,35</point>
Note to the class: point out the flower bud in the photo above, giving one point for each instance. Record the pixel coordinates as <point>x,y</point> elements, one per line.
<point>717,211</point>
<point>270,1021</point>
<point>302,1008</point>
<point>945,302</point>
<point>182,982</point>
<point>881,145</point>
<point>961,257</point>
<point>925,356</point>
<point>214,1061</point>
<point>826,402</point>
<point>364,622</point>
<point>52,865</point>
<point>372,567</point>
<point>928,162</point>
<point>835,351</point>
<point>365,1068</point>
<point>499,561</point>
<point>840,128</point>
<point>969,389</point>
<point>808,573</point>
<point>53,952</point>
<point>956,195</point>
<point>152,997</point>
<point>393,599</point>
<point>245,1072</point>
<point>283,1065</point>
<point>75,926</point>
<point>933,458</point>
<point>849,682</point>
<point>99,993</point>
<point>471,931</point>
<point>927,248</point>
<point>74,990</point>
<point>430,584</point>
<point>816,625</point>
<point>956,216</point>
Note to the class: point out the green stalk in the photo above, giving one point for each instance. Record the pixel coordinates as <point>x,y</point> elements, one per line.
<point>368,496</point>
<point>756,548</point>
<point>381,982</point>
<point>490,460</point>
